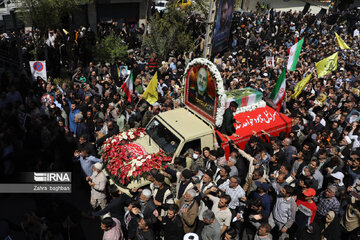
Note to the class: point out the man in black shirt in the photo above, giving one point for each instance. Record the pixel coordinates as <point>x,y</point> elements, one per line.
<point>223,175</point>
<point>116,205</point>
<point>171,223</point>
<point>162,194</point>
<point>144,232</point>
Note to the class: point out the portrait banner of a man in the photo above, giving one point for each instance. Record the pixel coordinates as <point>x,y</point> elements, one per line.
<point>223,25</point>
<point>200,91</point>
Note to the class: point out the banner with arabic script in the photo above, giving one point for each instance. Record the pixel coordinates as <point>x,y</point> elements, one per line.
<point>265,118</point>
<point>261,119</point>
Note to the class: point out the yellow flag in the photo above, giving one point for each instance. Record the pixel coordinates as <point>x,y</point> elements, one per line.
<point>151,94</point>
<point>300,86</point>
<point>327,65</point>
<point>341,42</point>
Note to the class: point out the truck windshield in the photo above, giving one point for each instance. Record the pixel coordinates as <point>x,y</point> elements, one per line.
<point>162,136</point>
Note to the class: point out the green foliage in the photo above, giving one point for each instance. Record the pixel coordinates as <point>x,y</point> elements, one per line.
<point>199,7</point>
<point>45,14</point>
<point>169,32</point>
<point>60,81</point>
<point>111,47</point>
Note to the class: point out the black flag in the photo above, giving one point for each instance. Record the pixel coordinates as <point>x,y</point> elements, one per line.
<point>306,8</point>
<point>321,13</point>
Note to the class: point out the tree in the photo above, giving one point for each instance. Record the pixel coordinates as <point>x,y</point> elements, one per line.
<point>45,14</point>
<point>169,32</point>
<point>111,47</point>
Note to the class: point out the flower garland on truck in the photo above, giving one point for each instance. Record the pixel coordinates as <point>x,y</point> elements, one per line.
<point>123,165</point>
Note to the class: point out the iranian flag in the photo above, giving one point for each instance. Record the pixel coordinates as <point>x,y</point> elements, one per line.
<point>294,55</point>
<point>128,86</point>
<point>278,94</point>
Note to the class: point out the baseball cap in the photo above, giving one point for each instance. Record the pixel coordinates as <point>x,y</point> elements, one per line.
<point>310,192</point>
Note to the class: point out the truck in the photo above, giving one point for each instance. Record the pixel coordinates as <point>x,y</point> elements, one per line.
<point>174,132</point>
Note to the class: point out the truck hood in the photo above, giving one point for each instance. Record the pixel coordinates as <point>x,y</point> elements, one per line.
<point>143,146</point>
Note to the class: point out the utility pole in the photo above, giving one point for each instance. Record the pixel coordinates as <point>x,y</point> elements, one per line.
<point>210,24</point>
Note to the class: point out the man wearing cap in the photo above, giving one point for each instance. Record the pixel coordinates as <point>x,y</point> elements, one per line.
<point>162,193</point>
<point>306,208</point>
<point>147,205</point>
<point>326,201</point>
<point>97,181</point>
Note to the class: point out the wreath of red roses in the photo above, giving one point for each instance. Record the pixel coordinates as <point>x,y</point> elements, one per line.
<point>122,165</point>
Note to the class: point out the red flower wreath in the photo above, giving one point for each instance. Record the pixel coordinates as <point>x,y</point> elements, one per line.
<point>124,166</point>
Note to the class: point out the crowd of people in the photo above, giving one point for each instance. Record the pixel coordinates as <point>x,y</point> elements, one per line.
<point>302,186</point>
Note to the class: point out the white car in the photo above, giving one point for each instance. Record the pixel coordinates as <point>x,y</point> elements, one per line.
<point>160,5</point>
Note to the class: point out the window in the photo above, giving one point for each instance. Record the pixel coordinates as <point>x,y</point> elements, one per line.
<point>194,144</point>
<point>163,136</point>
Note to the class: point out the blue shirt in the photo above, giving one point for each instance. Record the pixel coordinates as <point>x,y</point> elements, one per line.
<point>173,66</point>
<point>265,200</point>
<point>72,123</point>
<point>87,164</point>
<point>288,44</point>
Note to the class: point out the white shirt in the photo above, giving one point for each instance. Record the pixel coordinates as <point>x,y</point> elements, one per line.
<point>98,191</point>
